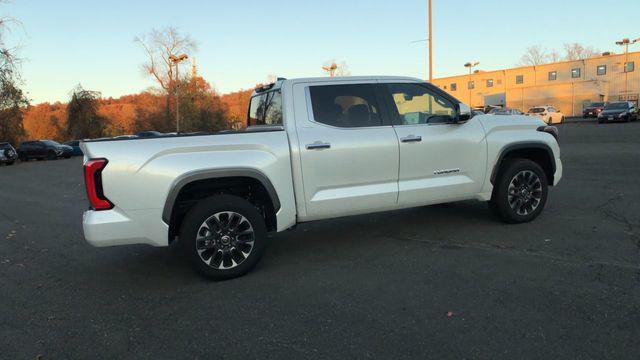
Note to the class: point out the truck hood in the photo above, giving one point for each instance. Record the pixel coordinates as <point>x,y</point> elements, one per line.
<point>514,122</point>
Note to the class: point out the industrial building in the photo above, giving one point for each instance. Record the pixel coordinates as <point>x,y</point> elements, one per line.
<point>568,85</point>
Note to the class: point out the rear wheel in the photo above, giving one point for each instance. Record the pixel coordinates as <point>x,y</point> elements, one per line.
<point>520,192</point>
<point>224,236</point>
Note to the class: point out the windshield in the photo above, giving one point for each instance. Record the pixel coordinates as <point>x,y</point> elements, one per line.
<point>5,146</point>
<point>51,142</point>
<point>265,109</point>
<point>617,106</point>
<point>536,110</point>
<point>598,104</point>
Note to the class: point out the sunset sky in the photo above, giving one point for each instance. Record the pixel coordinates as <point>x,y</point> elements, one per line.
<point>64,43</point>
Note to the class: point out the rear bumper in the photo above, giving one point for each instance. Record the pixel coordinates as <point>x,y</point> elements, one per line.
<point>115,228</point>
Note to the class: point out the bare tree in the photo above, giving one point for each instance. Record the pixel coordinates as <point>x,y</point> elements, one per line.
<point>576,51</point>
<point>554,56</point>
<point>332,68</point>
<point>159,46</point>
<point>535,55</point>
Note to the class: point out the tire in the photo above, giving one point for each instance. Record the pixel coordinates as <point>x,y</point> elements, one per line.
<point>514,175</point>
<point>224,256</point>
<point>52,156</point>
<point>10,162</point>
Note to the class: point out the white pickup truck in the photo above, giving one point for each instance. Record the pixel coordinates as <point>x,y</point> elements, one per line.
<point>314,149</point>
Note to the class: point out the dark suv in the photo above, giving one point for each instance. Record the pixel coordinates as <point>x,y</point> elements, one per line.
<point>619,111</point>
<point>8,154</point>
<point>43,149</point>
<point>593,110</point>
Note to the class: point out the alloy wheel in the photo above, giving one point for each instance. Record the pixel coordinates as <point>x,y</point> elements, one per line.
<point>525,192</point>
<point>225,240</point>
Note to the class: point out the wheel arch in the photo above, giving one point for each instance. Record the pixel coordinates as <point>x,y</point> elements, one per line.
<point>244,182</point>
<point>538,152</point>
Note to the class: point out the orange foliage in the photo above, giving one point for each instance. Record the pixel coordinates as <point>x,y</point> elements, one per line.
<point>238,104</point>
<point>127,114</point>
<point>45,121</point>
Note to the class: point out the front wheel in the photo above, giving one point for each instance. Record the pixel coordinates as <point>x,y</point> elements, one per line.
<point>224,236</point>
<point>520,192</point>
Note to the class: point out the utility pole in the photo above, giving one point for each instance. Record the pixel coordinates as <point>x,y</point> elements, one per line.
<point>626,42</point>
<point>430,40</point>
<point>176,60</point>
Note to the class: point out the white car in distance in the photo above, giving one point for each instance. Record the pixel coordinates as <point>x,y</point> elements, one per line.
<point>547,113</point>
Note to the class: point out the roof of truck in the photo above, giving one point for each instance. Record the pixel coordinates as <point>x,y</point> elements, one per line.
<point>279,83</point>
<point>352,78</point>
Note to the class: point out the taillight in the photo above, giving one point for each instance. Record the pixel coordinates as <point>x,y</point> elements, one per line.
<point>93,181</point>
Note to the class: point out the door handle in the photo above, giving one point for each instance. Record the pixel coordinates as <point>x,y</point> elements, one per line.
<point>411,138</point>
<point>318,145</point>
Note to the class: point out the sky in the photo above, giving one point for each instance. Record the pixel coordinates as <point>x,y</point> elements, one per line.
<point>240,42</point>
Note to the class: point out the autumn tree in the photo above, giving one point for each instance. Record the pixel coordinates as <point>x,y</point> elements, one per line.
<point>201,107</point>
<point>83,120</point>
<point>12,99</point>
<point>160,46</point>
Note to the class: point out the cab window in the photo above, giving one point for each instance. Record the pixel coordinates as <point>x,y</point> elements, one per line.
<point>345,106</point>
<point>416,104</point>
<point>265,109</point>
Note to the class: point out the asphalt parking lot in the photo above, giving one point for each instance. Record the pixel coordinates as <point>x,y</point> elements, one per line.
<point>438,282</point>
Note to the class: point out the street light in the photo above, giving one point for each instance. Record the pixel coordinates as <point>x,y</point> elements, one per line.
<point>626,42</point>
<point>176,60</point>
<point>471,65</point>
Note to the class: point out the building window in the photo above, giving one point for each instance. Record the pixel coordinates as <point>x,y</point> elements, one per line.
<point>472,85</point>
<point>575,73</point>
<point>602,70</point>
<point>454,87</point>
<point>629,66</point>
<point>553,75</point>
<point>520,79</point>
<point>490,83</point>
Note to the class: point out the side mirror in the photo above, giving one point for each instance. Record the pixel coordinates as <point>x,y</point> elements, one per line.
<point>464,113</point>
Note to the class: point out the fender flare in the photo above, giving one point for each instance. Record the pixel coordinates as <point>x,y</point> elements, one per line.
<point>522,145</point>
<point>198,175</point>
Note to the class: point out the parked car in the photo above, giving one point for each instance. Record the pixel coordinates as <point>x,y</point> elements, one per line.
<point>593,110</point>
<point>547,113</point>
<point>149,134</point>
<point>476,112</point>
<point>8,154</point>
<point>314,149</point>
<point>505,111</point>
<point>619,111</point>
<point>75,145</point>
<point>43,149</point>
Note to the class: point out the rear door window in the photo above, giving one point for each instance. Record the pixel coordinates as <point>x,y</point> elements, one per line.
<point>345,106</point>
